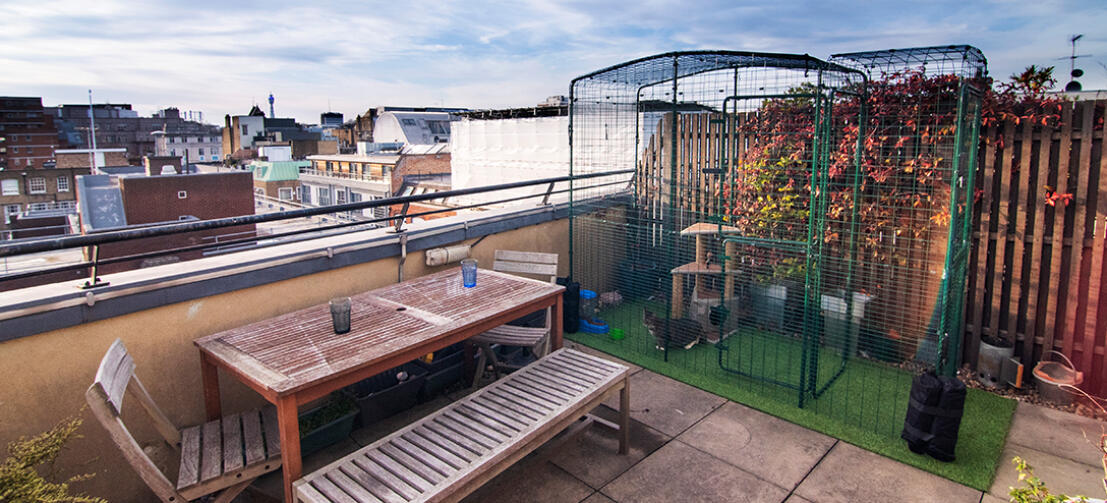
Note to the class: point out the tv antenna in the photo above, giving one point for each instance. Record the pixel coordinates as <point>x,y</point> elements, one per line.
<point>1074,72</point>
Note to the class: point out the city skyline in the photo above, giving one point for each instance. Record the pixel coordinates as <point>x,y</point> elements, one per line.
<point>347,56</point>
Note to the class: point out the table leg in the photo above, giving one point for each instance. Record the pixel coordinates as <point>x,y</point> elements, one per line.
<point>289,424</point>
<point>209,375</point>
<point>469,351</point>
<point>556,325</point>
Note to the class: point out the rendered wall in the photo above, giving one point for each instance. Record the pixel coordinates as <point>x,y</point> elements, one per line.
<point>487,152</point>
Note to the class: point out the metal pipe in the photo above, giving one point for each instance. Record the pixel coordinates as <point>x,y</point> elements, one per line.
<point>269,237</point>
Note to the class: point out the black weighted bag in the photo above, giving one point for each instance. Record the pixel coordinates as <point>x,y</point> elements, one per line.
<point>948,422</point>
<point>926,391</point>
<point>934,415</point>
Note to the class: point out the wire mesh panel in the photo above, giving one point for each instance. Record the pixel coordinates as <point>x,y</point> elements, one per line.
<point>788,227</point>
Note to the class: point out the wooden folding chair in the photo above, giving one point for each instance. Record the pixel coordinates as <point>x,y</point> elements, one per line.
<point>536,339</point>
<point>218,458</point>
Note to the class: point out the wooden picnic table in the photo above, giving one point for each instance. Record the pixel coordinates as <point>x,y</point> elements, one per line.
<point>296,358</point>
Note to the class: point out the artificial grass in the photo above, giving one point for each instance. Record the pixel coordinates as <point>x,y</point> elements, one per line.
<point>865,406</point>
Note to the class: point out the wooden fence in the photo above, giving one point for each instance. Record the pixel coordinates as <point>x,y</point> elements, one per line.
<point>1036,272</point>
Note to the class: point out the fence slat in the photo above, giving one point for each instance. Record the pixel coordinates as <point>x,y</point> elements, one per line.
<point>1079,233</point>
<point>1093,323</point>
<point>1058,242</point>
<point>1022,204</point>
<point>1039,229</point>
<point>1000,273</point>
<point>984,235</point>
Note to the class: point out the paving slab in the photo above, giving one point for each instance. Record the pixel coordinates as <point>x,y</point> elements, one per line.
<point>593,456</point>
<point>666,405</point>
<point>988,498</point>
<point>1058,433</point>
<point>769,447</point>
<point>598,497</point>
<point>272,484</point>
<point>532,481</point>
<point>849,473</point>
<point>1061,475</point>
<point>795,498</point>
<point>368,434</point>
<point>679,472</point>
<point>595,352</point>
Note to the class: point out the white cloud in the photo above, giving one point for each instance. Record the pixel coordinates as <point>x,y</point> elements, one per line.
<point>220,57</point>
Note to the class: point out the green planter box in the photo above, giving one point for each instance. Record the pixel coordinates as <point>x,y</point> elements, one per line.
<point>383,395</point>
<point>447,368</point>
<point>336,425</point>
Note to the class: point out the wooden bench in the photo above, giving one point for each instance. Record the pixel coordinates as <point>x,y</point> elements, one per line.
<point>454,451</point>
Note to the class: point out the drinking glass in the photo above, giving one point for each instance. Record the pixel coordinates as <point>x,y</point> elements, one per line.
<point>340,314</point>
<point>469,272</point>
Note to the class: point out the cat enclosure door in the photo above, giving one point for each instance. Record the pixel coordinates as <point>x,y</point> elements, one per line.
<point>774,156</point>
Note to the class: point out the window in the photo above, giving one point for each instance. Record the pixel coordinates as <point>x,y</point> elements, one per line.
<point>340,196</point>
<point>9,210</point>
<point>324,196</point>
<point>38,206</point>
<point>284,193</point>
<point>200,151</point>
<point>38,185</point>
<point>27,137</point>
<point>245,129</point>
<point>379,211</point>
<point>305,194</point>
<point>15,150</point>
<point>30,150</point>
<point>173,152</point>
<point>355,197</point>
<point>63,184</point>
<point>408,122</point>
<point>182,194</point>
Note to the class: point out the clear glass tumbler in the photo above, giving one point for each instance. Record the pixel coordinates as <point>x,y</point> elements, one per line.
<point>469,272</point>
<point>340,314</point>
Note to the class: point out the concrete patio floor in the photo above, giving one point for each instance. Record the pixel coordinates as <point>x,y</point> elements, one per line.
<point>688,445</point>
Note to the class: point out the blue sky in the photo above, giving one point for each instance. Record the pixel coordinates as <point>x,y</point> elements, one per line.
<point>222,56</point>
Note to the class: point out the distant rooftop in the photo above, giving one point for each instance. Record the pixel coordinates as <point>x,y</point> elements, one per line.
<point>378,158</point>
<point>517,113</point>
<point>276,171</point>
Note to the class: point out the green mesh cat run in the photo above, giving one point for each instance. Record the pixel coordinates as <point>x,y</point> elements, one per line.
<point>795,232</point>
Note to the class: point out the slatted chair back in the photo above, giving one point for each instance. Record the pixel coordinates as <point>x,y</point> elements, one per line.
<point>114,379</point>
<point>533,263</point>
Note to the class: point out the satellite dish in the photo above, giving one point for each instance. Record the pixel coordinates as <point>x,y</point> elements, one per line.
<point>1073,87</point>
<point>1077,73</point>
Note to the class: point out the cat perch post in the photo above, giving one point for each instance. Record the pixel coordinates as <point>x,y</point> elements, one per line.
<point>702,266</point>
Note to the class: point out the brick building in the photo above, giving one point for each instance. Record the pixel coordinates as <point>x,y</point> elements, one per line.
<point>118,126</point>
<point>164,199</point>
<point>28,136</point>
<point>30,181</point>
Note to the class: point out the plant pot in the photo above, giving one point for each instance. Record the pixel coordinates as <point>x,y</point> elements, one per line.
<point>447,368</point>
<point>383,395</point>
<point>337,425</point>
<point>1051,376</point>
<point>842,322</point>
<point>990,358</point>
<point>769,303</point>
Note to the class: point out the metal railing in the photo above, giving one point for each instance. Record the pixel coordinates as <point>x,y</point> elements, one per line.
<point>94,241</point>
<point>365,177</point>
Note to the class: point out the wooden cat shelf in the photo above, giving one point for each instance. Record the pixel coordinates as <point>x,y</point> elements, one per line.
<point>701,266</point>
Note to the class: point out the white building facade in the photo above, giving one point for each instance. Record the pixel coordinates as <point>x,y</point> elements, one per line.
<point>192,147</point>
